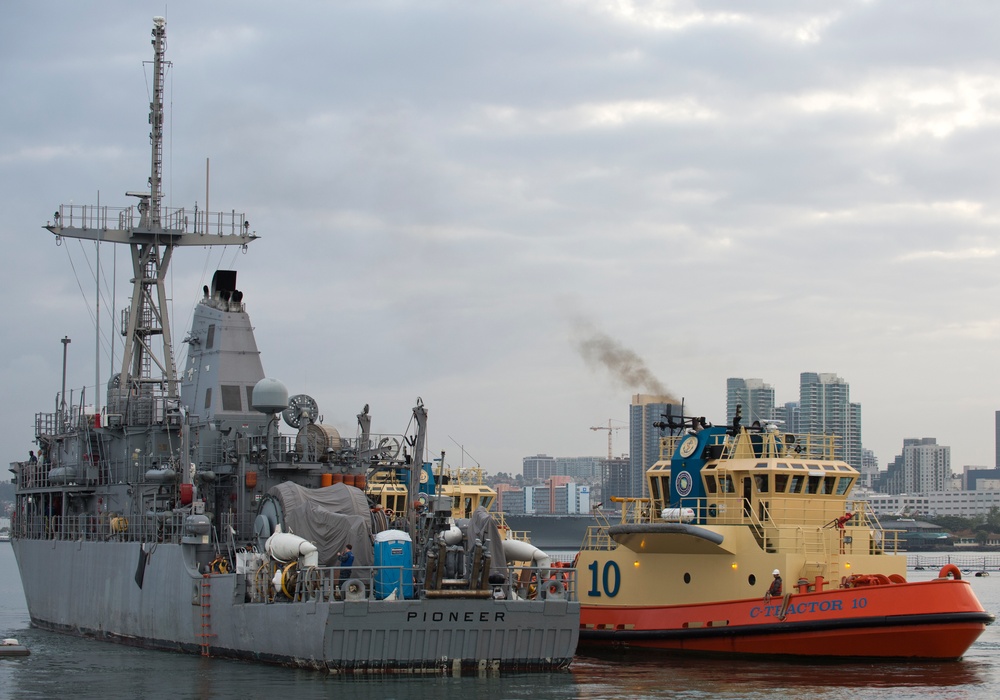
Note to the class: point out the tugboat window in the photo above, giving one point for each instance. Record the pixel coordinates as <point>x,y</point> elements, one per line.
<point>208,397</point>
<point>780,482</point>
<point>796,486</point>
<point>710,483</point>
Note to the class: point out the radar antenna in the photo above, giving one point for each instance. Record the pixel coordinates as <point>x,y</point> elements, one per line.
<point>152,235</point>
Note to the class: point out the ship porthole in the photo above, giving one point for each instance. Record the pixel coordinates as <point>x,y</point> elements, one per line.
<point>687,578</point>
<point>751,579</point>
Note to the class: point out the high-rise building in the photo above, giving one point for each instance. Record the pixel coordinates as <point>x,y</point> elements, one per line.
<point>585,469</point>
<point>538,468</point>
<point>996,439</point>
<point>756,398</point>
<point>616,481</point>
<point>825,408</point>
<point>922,466</point>
<point>787,417</point>
<point>644,437</point>
<point>869,468</point>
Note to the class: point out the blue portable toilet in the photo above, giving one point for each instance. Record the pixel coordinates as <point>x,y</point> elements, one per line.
<point>393,564</point>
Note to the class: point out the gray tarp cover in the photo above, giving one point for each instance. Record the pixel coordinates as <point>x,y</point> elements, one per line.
<point>331,518</point>
<point>482,526</point>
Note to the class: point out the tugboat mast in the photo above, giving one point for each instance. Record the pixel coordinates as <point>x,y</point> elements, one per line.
<point>152,239</point>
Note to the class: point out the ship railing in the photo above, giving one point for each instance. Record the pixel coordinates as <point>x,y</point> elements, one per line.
<point>99,528</point>
<point>363,583</point>
<point>61,422</point>
<point>883,541</point>
<point>597,538</point>
<point>635,510</point>
<point>766,444</point>
<point>172,220</point>
<point>501,523</point>
<point>471,476</point>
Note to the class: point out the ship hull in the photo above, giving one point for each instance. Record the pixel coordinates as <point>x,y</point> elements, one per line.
<point>91,589</point>
<point>937,619</point>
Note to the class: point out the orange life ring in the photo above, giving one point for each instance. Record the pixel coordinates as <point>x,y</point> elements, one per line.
<point>950,569</point>
<point>389,513</point>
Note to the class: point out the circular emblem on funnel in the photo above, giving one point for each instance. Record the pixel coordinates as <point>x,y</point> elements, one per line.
<point>682,484</point>
<point>688,446</point>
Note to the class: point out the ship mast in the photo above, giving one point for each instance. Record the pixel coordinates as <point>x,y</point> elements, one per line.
<point>152,236</point>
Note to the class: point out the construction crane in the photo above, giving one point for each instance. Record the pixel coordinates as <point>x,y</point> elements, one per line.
<point>611,431</point>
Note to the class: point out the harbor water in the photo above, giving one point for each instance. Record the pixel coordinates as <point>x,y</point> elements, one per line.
<point>63,666</point>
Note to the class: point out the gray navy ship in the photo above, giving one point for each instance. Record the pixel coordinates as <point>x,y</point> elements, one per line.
<point>178,516</point>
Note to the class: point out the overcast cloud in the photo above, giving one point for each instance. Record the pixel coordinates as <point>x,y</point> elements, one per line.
<point>454,197</point>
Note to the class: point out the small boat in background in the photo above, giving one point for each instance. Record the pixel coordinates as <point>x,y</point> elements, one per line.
<point>733,512</point>
<point>12,647</point>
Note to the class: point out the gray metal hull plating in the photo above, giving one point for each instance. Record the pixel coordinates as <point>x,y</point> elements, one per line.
<point>90,589</point>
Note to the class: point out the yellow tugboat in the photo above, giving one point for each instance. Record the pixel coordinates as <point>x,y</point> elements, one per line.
<point>747,544</point>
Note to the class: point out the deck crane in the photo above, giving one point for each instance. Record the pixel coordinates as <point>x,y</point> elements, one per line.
<point>611,431</point>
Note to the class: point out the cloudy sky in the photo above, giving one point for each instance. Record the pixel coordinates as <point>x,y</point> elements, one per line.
<point>454,197</point>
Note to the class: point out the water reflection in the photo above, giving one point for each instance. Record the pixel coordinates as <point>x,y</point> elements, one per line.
<point>644,673</point>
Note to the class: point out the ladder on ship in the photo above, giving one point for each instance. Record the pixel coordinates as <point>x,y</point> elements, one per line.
<point>206,614</point>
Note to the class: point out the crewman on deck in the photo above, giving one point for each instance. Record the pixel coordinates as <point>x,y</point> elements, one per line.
<point>775,589</point>
<point>346,562</point>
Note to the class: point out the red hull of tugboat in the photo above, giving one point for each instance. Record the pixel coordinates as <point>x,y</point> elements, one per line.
<point>937,619</point>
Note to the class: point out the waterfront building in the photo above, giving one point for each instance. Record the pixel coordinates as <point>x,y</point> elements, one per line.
<point>510,499</point>
<point>966,504</point>
<point>617,480</point>
<point>558,496</point>
<point>538,468</point>
<point>979,478</point>
<point>580,469</point>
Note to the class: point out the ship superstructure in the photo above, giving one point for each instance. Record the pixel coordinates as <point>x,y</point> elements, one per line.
<point>179,516</point>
